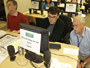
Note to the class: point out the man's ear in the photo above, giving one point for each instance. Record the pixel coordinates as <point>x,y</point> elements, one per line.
<point>84,24</point>
<point>15,6</point>
<point>58,16</point>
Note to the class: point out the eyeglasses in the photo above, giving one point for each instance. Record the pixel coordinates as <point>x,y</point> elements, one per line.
<point>52,17</point>
<point>8,5</point>
<point>76,25</point>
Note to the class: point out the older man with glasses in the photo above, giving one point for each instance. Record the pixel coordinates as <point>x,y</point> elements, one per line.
<point>53,24</point>
<point>80,37</point>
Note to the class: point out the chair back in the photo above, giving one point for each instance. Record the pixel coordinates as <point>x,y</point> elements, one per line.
<point>68,27</point>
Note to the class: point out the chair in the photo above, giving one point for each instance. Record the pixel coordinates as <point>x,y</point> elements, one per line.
<point>31,20</point>
<point>67,29</point>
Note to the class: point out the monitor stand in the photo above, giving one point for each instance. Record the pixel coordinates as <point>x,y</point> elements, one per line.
<point>35,11</point>
<point>70,14</point>
<point>33,57</point>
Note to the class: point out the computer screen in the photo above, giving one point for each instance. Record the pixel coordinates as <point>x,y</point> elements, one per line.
<point>71,7</point>
<point>44,45</point>
<point>36,5</point>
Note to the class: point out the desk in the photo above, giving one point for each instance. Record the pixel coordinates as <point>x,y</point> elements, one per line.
<point>37,15</point>
<point>21,60</point>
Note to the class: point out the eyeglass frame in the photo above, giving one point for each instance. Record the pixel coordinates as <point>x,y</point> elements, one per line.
<point>52,17</point>
<point>76,25</point>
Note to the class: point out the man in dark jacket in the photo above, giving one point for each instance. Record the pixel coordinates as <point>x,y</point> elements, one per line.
<point>53,24</point>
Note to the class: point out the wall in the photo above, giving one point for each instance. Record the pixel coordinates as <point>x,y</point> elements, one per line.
<point>23,6</point>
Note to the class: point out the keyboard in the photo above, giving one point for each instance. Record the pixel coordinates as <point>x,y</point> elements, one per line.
<point>54,46</point>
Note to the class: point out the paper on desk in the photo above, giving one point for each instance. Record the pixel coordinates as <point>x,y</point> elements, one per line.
<point>3,54</point>
<point>54,0</point>
<point>70,51</point>
<point>3,50</point>
<point>56,64</point>
<point>83,15</point>
<point>2,33</point>
<point>62,5</point>
<point>16,44</point>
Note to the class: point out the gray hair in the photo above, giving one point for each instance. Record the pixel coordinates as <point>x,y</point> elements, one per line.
<point>80,18</point>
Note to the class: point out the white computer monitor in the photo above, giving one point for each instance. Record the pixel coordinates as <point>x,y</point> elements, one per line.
<point>71,7</point>
<point>34,38</point>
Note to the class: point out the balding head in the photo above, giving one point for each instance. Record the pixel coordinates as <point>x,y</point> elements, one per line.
<point>80,18</point>
<point>78,25</point>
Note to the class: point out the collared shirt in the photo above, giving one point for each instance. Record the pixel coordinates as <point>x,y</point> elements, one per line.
<point>84,41</point>
<point>15,14</point>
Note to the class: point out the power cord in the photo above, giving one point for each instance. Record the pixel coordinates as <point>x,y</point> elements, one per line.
<point>34,65</point>
<point>16,61</point>
<point>22,65</point>
<point>65,56</point>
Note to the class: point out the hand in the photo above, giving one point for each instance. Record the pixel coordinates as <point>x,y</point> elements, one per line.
<point>82,64</point>
<point>79,65</point>
<point>14,31</point>
<point>9,30</point>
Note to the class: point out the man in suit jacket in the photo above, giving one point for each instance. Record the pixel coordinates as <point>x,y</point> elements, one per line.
<point>53,24</point>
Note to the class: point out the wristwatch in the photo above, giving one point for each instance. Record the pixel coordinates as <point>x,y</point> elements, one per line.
<point>84,62</point>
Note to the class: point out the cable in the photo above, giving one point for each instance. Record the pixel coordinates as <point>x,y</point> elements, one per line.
<point>16,61</point>
<point>66,56</point>
<point>34,65</point>
<point>22,65</point>
<point>41,66</point>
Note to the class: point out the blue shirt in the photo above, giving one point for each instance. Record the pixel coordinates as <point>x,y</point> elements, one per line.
<point>45,5</point>
<point>83,41</point>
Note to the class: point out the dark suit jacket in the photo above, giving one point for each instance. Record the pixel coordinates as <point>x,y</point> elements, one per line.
<point>57,30</point>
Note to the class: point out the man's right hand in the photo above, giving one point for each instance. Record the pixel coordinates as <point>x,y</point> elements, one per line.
<point>9,30</point>
<point>79,65</point>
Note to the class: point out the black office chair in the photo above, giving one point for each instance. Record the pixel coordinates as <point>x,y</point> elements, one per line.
<point>67,29</point>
